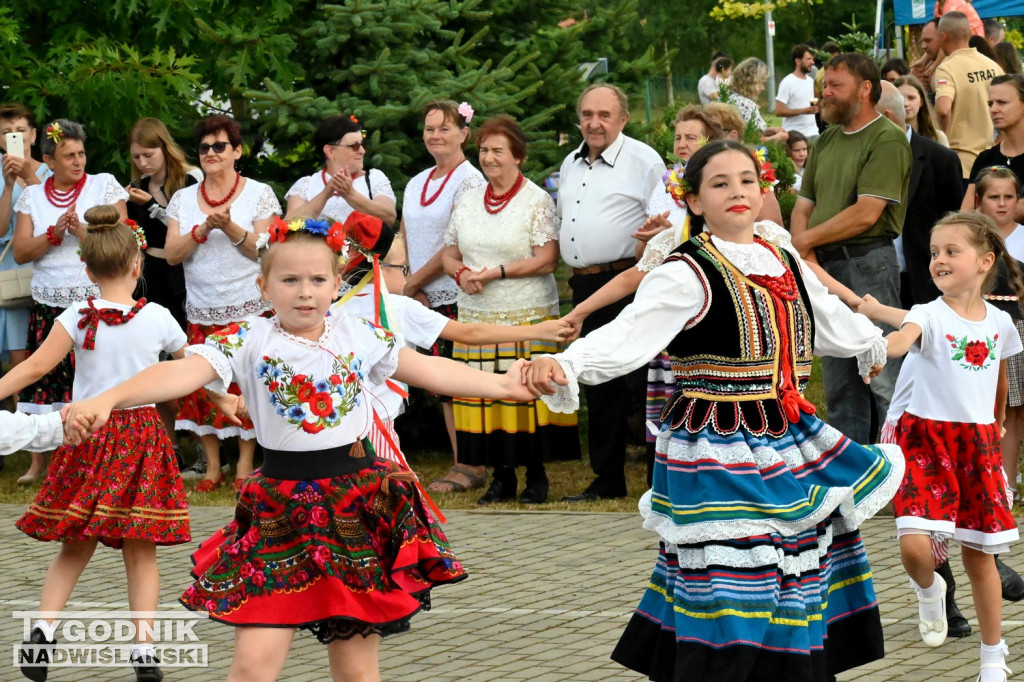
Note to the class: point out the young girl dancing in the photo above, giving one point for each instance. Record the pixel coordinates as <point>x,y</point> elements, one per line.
<point>954,485</point>
<point>326,536</point>
<point>762,574</point>
<point>121,487</point>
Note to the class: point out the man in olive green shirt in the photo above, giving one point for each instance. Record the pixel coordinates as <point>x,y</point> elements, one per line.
<point>851,206</point>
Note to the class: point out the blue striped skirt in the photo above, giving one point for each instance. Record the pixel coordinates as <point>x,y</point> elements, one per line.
<point>761,574</point>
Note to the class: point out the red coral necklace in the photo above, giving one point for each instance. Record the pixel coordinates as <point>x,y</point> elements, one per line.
<point>63,198</point>
<point>226,199</point>
<point>496,203</point>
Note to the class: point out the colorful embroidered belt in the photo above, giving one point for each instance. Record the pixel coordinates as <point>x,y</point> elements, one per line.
<point>308,465</point>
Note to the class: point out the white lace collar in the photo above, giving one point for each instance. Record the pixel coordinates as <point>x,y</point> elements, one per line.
<point>751,259</point>
<point>305,342</point>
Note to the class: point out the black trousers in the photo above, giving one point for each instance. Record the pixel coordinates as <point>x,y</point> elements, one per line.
<point>608,403</point>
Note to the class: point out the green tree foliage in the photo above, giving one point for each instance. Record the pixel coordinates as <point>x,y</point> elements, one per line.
<point>280,66</point>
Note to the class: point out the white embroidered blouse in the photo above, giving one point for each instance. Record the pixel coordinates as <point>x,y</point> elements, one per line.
<point>336,207</point>
<point>425,226</point>
<point>58,277</point>
<point>302,395</point>
<point>488,240</point>
<point>672,294</point>
<point>220,281</point>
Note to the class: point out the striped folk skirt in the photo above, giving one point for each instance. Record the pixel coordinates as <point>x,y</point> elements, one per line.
<point>503,433</point>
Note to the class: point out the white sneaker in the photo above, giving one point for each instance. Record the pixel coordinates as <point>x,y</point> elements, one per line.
<point>1000,666</point>
<point>934,632</point>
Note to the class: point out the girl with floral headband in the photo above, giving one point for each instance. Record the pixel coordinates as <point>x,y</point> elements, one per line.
<point>327,536</point>
<point>762,574</point>
<point>121,487</point>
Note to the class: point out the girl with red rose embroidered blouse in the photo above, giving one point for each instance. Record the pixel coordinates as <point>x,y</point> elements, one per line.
<point>327,536</point>
<point>954,485</point>
<point>121,487</point>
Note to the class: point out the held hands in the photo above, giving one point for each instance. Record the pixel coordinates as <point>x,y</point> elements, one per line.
<point>552,330</point>
<point>84,418</point>
<point>138,196</point>
<point>575,321</point>
<point>652,226</point>
<point>514,384</point>
<point>472,281</point>
<point>869,307</point>
<point>539,374</point>
<point>233,406</point>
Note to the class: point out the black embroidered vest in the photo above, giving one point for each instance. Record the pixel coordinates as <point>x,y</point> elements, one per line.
<point>726,360</point>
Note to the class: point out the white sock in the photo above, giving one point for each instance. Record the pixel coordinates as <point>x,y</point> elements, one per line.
<point>995,653</point>
<point>932,611</point>
<point>47,629</point>
<point>142,649</point>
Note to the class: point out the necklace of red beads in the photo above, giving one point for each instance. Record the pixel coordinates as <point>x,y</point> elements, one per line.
<point>226,199</point>
<point>496,203</point>
<point>63,198</point>
<point>783,286</point>
<point>424,201</point>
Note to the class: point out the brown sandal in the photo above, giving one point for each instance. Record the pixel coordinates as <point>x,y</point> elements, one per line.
<point>451,486</point>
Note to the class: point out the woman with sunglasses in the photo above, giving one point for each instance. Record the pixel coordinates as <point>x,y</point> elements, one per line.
<point>212,228</point>
<point>342,186</point>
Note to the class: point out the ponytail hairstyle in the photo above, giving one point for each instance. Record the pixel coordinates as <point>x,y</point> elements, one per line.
<point>984,179</point>
<point>983,235</point>
<point>151,133</point>
<point>694,172</point>
<point>109,247</point>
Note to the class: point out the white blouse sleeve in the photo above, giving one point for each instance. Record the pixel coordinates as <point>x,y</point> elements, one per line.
<point>658,249</point>
<point>544,224</point>
<point>24,204</point>
<point>113,192</point>
<point>174,207</point>
<point>298,189</point>
<point>267,204</point>
<point>451,233</point>
<point>220,363</point>
<point>380,184</point>
<point>667,300</point>
<point>470,181</point>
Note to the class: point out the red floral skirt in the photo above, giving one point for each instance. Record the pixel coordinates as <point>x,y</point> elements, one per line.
<point>197,413</point>
<point>954,484</point>
<point>50,393</point>
<point>122,483</point>
<point>359,550</point>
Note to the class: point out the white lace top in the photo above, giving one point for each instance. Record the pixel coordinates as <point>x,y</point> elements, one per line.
<point>58,277</point>
<point>488,240</point>
<point>336,207</point>
<point>661,201</point>
<point>425,226</point>
<point>220,281</point>
<point>303,395</point>
<point>672,294</point>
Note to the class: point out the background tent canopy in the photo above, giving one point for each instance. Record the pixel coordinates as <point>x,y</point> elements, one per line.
<point>920,11</point>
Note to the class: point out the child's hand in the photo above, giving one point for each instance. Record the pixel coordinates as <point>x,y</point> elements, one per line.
<point>540,375</point>
<point>552,330</point>
<point>85,418</point>
<point>652,226</point>
<point>576,321</point>
<point>232,406</point>
<point>869,306</point>
<point>515,382</point>
<point>875,371</point>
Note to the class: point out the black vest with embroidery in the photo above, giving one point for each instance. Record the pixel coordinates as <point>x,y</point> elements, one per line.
<point>726,360</point>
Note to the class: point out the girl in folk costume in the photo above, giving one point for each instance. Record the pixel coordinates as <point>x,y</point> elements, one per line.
<point>762,574</point>
<point>954,485</point>
<point>120,487</point>
<point>327,536</point>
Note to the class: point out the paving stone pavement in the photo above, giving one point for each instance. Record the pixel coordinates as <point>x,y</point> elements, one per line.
<point>548,595</point>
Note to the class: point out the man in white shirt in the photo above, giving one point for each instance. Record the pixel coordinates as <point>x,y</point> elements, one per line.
<point>795,102</point>
<point>602,198</point>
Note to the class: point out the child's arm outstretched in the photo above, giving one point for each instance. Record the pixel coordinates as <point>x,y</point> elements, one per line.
<point>877,312</point>
<point>160,382</point>
<point>55,347</point>
<point>901,340</point>
<point>623,284</point>
<point>477,333</point>
<point>448,377</point>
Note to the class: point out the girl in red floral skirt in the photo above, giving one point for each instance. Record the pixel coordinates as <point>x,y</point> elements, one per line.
<point>120,487</point>
<point>327,536</point>
<point>954,486</point>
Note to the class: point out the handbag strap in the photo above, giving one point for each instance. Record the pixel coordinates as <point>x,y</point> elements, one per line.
<point>7,248</point>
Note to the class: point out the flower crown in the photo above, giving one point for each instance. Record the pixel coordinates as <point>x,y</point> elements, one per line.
<point>678,185</point>
<point>55,133</point>
<point>466,112</point>
<point>279,229</point>
<point>137,232</point>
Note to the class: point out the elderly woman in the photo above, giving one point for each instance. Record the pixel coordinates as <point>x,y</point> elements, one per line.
<point>46,234</point>
<point>212,228</point>
<point>342,186</point>
<point>501,247</point>
<point>748,79</point>
<point>430,198</point>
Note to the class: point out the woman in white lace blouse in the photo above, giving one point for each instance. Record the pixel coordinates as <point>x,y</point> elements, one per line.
<point>47,229</point>
<point>501,248</point>
<point>212,228</point>
<point>343,185</point>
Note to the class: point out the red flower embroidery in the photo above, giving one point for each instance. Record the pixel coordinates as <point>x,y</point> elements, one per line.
<point>298,379</point>
<point>306,392</point>
<point>319,517</point>
<point>311,427</point>
<point>259,579</point>
<point>321,404</point>
<point>976,353</point>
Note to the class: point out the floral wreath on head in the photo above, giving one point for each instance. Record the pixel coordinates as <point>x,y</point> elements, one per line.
<point>55,133</point>
<point>678,185</point>
<point>137,232</point>
<point>334,234</point>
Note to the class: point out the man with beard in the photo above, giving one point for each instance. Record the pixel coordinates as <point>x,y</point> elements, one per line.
<point>796,92</point>
<point>850,208</point>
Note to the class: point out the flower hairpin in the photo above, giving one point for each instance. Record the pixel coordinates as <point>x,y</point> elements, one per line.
<point>140,234</point>
<point>352,117</point>
<point>676,182</point>
<point>279,229</point>
<point>55,133</point>
<point>466,112</point>
<point>766,179</point>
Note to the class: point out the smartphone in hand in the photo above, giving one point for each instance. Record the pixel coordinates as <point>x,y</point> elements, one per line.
<point>15,144</point>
